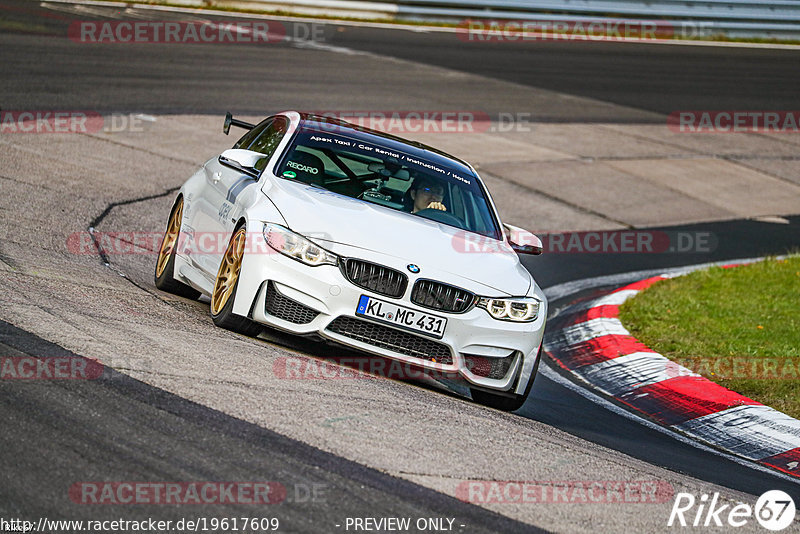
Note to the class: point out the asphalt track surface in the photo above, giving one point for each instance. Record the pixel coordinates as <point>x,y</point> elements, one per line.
<point>728,240</point>
<point>654,79</point>
<point>130,430</point>
<point>135,432</point>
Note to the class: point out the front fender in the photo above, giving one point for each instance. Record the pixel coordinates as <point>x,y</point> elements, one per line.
<point>256,251</point>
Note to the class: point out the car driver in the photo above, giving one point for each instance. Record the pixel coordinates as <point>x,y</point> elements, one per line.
<point>427,194</point>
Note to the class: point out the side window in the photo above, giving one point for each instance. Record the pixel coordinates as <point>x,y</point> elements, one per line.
<point>247,139</point>
<point>480,211</point>
<point>458,207</point>
<point>264,138</point>
<point>269,138</point>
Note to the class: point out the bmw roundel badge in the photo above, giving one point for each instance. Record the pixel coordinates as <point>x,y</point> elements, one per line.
<point>413,268</point>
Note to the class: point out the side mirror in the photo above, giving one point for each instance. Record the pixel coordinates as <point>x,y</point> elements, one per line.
<point>522,241</point>
<point>245,161</point>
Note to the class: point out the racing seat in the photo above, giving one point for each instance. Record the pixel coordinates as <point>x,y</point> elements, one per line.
<point>308,167</point>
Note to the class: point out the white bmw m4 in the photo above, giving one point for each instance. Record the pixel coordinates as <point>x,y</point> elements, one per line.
<point>322,228</point>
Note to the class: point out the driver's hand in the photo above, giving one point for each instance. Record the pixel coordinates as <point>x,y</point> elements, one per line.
<point>436,206</point>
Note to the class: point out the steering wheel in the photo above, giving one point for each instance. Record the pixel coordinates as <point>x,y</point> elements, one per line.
<point>442,217</point>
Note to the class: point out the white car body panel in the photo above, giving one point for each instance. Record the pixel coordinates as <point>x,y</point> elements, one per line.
<point>333,219</point>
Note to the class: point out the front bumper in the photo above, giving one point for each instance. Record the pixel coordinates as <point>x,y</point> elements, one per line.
<point>288,295</point>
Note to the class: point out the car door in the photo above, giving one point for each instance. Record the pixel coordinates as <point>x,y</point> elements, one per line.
<point>225,185</point>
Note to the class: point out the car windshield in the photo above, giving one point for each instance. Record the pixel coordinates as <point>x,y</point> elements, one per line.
<point>385,175</point>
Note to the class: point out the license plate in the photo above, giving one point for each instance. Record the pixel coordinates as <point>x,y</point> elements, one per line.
<point>389,313</point>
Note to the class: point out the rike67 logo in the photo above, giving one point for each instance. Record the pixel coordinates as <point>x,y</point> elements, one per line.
<point>774,510</point>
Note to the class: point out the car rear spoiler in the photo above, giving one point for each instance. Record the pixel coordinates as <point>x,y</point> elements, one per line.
<point>230,121</point>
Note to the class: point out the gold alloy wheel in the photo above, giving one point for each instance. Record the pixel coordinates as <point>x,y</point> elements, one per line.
<point>170,238</point>
<point>228,272</point>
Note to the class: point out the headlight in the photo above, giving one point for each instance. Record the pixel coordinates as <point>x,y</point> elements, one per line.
<point>520,310</point>
<point>297,247</point>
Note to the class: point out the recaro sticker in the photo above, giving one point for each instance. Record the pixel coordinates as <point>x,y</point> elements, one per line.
<point>301,167</point>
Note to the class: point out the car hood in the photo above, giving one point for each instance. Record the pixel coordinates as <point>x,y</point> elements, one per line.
<point>355,228</point>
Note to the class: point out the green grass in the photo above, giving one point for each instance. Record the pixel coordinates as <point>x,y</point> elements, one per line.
<point>739,327</point>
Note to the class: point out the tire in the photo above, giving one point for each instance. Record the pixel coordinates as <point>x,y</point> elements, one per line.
<point>507,404</point>
<point>165,264</point>
<point>225,286</point>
